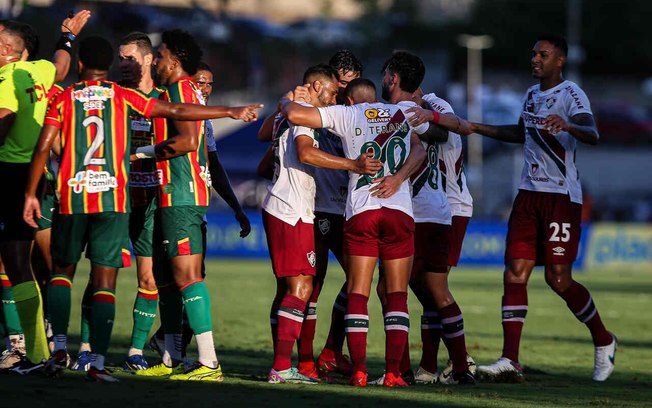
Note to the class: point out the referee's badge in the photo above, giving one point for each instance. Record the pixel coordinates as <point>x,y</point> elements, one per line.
<point>312,258</point>
<point>324,226</point>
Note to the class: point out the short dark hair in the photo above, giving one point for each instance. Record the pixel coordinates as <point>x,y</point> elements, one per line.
<point>319,71</point>
<point>555,39</point>
<point>408,67</point>
<point>184,47</point>
<point>202,66</point>
<point>142,41</point>
<point>96,52</point>
<point>18,30</point>
<point>27,33</point>
<point>345,61</point>
<point>359,83</point>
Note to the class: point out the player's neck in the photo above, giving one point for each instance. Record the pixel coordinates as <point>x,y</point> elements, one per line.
<point>548,83</point>
<point>177,75</point>
<point>400,96</point>
<point>93,75</point>
<point>146,84</point>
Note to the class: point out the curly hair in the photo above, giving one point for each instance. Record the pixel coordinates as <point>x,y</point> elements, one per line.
<point>96,52</point>
<point>408,67</point>
<point>184,47</point>
<point>344,61</point>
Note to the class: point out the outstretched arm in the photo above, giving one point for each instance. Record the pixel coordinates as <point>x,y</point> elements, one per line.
<point>32,207</point>
<point>190,111</point>
<point>506,133</point>
<point>449,121</point>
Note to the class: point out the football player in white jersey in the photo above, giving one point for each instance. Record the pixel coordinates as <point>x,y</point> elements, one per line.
<point>379,218</point>
<point>544,227</point>
<point>288,212</point>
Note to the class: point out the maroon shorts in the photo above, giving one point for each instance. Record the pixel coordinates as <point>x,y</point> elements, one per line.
<point>329,235</point>
<point>431,247</point>
<point>292,248</point>
<point>384,233</point>
<point>457,238</point>
<point>543,227</point>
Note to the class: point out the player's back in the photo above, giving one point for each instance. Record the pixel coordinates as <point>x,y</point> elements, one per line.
<point>94,164</point>
<point>381,129</point>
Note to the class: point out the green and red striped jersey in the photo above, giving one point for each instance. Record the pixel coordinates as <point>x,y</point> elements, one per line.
<point>143,178</point>
<point>94,123</point>
<point>183,178</point>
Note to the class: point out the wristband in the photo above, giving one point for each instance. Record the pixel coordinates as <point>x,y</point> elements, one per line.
<point>65,42</point>
<point>435,116</point>
<point>146,152</point>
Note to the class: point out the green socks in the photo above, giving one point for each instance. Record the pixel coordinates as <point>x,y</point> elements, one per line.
<point>102,320</point>
<point>144,314</point>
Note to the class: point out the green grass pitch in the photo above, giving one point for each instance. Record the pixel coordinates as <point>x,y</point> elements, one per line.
<point>556,349</point>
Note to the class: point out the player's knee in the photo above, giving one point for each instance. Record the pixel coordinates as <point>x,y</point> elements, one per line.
<point>302,289</point>
<point>558,278</point>
<point>147,283</point>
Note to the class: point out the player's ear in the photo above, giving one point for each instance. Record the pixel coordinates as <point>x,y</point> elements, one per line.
<point>349,100</point>
<point>80,66</point>
<point>149,59</point>
<point>561,61</point>
<point>317,86</point>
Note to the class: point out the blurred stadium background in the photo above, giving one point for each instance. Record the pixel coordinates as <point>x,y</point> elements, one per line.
<point>259,50</point>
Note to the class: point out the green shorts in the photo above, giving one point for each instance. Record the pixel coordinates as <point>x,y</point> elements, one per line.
<point>141,228</point>
<point>49,205</point>
<point>104,235</point>
<point>177,230</point>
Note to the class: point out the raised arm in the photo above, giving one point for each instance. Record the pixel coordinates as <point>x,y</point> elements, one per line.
<point>70,28</point>
<point>581,126</point>
<point>32,207</point>
<point>449,121</point>
<point>365,164</point>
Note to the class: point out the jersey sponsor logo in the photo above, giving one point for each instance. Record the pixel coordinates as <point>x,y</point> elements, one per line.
<point>146,179</point>
<point>312,258</point>
<point>93,97</point>
<point>324,226</point>
<point>92,181</point>
<point>36,93</point>
<point>575,96</point>
<point>558,251</point>
<point>376,115</point>
<point>141,125</point>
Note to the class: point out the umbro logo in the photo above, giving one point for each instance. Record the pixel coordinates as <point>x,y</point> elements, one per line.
<point>558,251</point>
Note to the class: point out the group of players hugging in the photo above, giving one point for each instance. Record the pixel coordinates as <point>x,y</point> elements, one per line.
<point>100,164</point>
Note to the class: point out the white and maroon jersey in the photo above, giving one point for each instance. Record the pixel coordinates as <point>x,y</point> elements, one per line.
<point>550,159</point>
<point>291,196</point>
<point>451,165</point>
<point>429,201</point>
<point>331,184</point>
<point>377,128</point>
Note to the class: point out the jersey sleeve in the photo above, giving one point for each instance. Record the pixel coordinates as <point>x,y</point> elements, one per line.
<point>577,102</point>
<point>53,117</point>
<point>138,101</point>
<point>337,119</point>
<point>48,71</point>
<point>296,131</point>
<point>438,104</point>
